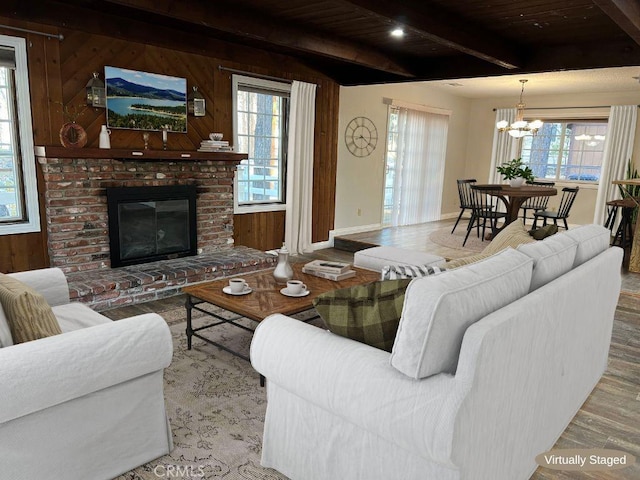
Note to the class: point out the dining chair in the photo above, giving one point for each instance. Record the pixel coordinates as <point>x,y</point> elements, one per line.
<point>566,202</point>
<point>536,203</point>
<point>464,192</point>
<point>483,210</point>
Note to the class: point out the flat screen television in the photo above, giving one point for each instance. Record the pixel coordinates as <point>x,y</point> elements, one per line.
<point>145,101</point>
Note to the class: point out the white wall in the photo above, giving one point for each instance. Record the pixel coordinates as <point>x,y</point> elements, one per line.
<point>359,185</point>
<point>360,181</point>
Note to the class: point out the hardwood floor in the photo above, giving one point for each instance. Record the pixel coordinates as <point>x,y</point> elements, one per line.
<point>416,237</point>
<point>412,237</point>
<point>610,418</point>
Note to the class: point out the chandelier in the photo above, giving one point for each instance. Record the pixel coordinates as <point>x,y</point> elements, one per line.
<point>520,127</point>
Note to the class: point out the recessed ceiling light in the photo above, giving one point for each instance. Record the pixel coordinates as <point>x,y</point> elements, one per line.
<point>397,32</point>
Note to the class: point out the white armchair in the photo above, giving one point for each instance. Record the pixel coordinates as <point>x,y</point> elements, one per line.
<point>88,403</point>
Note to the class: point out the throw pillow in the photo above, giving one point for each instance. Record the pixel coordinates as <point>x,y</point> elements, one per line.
<point>393,272</point>
<point>512,235</point>
<point>29,315</point>
<point>461,262</point>
<point>365,313</point>
<point>544,232</point>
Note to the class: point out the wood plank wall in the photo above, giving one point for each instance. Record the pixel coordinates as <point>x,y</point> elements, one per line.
<point>59,71</point>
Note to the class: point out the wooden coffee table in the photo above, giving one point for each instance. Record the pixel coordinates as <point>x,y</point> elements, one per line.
<point>264,300</point>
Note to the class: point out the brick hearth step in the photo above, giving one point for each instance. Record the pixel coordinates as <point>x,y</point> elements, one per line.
<point>107,288</point>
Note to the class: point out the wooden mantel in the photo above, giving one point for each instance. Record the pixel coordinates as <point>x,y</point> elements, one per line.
<point>54,151</point>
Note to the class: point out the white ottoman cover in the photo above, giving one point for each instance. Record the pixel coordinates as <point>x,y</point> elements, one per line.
<point>376,258</point>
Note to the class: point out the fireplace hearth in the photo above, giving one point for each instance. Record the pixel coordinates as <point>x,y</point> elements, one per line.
<point>153,223</point>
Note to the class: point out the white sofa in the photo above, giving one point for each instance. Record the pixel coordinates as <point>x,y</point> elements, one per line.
<point>85,404</point>
<point>481,410</point>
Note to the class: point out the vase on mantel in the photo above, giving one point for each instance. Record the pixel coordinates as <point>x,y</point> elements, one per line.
<point>283,272</point>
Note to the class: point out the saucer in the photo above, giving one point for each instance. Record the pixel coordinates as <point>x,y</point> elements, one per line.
<point>285,292</point>
<point>228,291</point>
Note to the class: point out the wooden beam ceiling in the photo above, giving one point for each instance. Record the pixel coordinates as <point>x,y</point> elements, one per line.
<point>347,40</point>
<point>433,23</point>
<point>241,24</point>
<point>625,13</point>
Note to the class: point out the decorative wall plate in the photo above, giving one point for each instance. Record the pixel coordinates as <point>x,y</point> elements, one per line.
<point>73,135</point>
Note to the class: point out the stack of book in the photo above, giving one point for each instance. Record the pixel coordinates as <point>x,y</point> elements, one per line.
<point>215,146</point>
<point>328,269</point>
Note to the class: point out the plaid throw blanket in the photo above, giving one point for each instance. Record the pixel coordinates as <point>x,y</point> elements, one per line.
<point>393,272</point>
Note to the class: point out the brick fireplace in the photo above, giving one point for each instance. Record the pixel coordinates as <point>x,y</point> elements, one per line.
<point>76,202</point>
<point>75,183</point>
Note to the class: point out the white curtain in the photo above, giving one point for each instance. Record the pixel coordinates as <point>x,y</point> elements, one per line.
<point>618,148</point>
<point>297,233</point>
<point>421,150</point>
<point>504,145</point>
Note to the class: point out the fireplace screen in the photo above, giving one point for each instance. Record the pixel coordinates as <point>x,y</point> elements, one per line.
<point>151,223</point>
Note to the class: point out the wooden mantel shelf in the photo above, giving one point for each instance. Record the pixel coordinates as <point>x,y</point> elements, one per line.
<point>53,151</point>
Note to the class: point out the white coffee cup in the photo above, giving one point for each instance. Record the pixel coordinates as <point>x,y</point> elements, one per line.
<point>296,287</point>
<point>237,285</point>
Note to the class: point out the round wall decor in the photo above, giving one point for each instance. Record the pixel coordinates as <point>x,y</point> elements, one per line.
<point>361,136</point>
<point>73,135</point>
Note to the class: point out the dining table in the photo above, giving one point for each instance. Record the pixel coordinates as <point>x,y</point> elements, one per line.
<point>634,257</point>
<point>514,197</point>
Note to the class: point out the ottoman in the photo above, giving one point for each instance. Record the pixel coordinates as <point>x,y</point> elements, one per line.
<point>376,258</point>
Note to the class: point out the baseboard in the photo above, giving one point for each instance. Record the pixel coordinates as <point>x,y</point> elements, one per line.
<point>357,229</point>
<point>448,216</point>
<point>322,245</point>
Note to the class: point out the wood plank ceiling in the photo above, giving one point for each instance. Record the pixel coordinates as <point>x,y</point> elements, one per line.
<point>349,40</point>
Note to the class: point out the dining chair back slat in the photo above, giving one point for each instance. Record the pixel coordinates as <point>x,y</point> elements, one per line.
<point>566,202</point>
<point>464,192</point>
<point>536,203</point>
<point>484,209</point>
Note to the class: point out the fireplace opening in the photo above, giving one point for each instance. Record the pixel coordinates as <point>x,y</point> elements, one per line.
<point>151,223</point>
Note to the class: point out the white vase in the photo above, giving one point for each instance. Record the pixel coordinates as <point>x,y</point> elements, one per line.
<point>516,182</point>
<point>283,272</point>
<point>105,141</point>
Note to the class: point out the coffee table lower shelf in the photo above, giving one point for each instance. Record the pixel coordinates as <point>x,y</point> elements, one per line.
<point>192,332</point>
<point>191,305</point>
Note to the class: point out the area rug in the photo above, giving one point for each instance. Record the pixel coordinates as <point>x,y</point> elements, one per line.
<point>445,238</point>
<point>215,405</point>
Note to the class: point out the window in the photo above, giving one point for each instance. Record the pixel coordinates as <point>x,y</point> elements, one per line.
<point>566,150</point>
<point>390,165</point>
<point>415,157</point>
<point>19,211</point>
<point>260,130</point>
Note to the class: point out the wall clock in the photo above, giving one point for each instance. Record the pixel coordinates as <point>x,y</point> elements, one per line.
<point>361,136</point>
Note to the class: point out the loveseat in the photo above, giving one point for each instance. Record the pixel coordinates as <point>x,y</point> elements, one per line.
<point>87,403</point>
<point>490,363</point>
